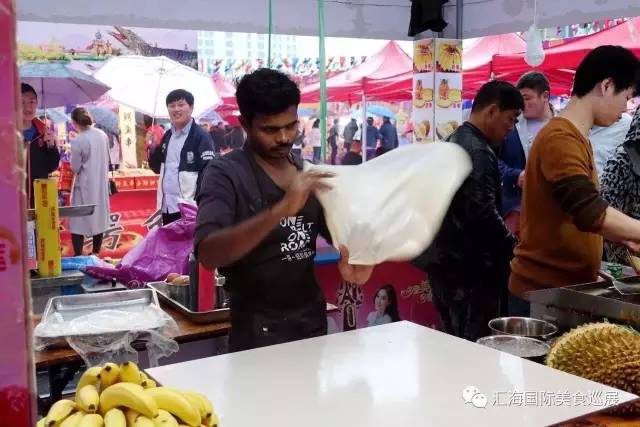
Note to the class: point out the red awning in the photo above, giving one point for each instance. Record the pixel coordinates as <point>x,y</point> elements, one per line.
<point>570,54</point>
<point>386,75</point>
<point>477,67</point>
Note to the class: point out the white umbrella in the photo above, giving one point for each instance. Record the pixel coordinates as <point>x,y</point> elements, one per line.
<point>143,84</point>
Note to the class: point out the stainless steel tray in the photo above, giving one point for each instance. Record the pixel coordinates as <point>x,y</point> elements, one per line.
<point>211,316</point>
<point>67,211</point>
<point>70,307</point>
<point>570,306</point>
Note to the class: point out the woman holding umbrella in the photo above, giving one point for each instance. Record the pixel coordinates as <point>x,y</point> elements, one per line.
<point>90,162</point>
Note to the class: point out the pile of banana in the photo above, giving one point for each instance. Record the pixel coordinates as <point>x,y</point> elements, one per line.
<point>122,396</point>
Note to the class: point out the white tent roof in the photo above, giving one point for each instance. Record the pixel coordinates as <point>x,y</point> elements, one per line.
<point>383,19</point>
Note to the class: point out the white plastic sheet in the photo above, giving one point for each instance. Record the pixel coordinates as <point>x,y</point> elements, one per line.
<point>107,335</point>
<point>390,209</point>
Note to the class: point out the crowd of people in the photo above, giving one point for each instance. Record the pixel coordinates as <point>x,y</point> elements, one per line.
<point>546,189</point>
<point>534,213</point>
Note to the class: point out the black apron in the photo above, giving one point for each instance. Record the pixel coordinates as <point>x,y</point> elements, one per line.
<point>275,297</point>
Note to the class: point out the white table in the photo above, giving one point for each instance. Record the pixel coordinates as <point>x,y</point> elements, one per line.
<point>400,375</point>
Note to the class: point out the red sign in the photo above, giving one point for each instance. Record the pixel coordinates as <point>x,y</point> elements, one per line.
<point>357,303</point>
<point>133,214</point>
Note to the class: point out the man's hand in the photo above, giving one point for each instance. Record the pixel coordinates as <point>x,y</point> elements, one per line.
<point>49,138</point>
<point>521,180</point>
<point>298,193</point>
<point>358,274</point>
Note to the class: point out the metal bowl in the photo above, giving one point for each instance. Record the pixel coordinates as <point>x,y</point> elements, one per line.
<point>523,326</point>
<point>527,348</point>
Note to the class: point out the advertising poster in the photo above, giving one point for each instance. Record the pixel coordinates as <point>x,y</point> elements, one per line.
<point>395,292</point>
<point>133,214</point>
<point>423,90</point>
<point>448,87</point>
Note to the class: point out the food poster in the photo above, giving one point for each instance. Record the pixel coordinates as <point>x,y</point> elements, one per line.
<point>448,87</point>
<point>423,90</point>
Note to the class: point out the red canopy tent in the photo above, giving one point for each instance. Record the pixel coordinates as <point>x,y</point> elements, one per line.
<point>227,93</point>
<point>386,75</point>
<point>567,56</point>
<point>477,65</point>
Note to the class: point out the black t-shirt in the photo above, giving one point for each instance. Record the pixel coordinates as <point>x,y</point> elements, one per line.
<point>352,159</point>
<point>278,275</point>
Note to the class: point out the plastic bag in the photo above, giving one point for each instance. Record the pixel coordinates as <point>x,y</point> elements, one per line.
<point>164,250</point>
<point>390,209</point>
<point>106,335</point>
<point>81,262</point>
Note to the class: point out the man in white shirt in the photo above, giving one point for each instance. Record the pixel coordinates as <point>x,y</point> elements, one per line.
<point>184,151</point>
<point>605,140</point>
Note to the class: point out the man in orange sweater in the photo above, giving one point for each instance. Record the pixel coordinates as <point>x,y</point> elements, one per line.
<point>564,218</point>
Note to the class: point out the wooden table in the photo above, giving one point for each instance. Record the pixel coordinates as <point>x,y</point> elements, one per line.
<point>63,363</point>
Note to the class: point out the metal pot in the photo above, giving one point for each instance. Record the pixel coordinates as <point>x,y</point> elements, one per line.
<point>527,348</point>
<point>523,326</point>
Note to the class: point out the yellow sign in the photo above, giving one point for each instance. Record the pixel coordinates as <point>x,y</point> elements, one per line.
<point>47,227</point>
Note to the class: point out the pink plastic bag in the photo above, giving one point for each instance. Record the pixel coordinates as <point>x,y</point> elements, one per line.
<point>164,250</point>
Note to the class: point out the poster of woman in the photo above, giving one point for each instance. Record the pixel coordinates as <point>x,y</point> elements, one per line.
<point>385,303</point>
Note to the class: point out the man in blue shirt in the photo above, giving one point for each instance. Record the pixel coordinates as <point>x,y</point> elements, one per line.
<point>388,136</point>
<point>183,152</point>
<point>373,135</point>
<point>535,90</point>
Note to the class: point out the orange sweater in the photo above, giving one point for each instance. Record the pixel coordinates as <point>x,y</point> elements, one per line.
<point>555,248</point>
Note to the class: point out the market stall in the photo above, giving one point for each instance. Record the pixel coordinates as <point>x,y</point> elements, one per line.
<point>388,375</point>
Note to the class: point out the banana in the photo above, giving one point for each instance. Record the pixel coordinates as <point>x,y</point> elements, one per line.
<point>131,416</point>
<point>143,421</point>
<point>135,419</point>
<point>212,421</point>
<point>87,399</point>
<point>164,419</point>
<point>148,383</point>
<point>200,402</point>
<point>72,420</point>
<point>173,401</point>
<point>41,422</point>
<point>110,375</point>
<point>59,411</point>
<point>143,376</point>
<point>91,420</point>
<point>130,373</point>
<point>115,418</point>
<point>131,396</point>
<point>90,377</point>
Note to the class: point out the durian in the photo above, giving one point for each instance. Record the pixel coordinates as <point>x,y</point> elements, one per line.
<point>601,352</point>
